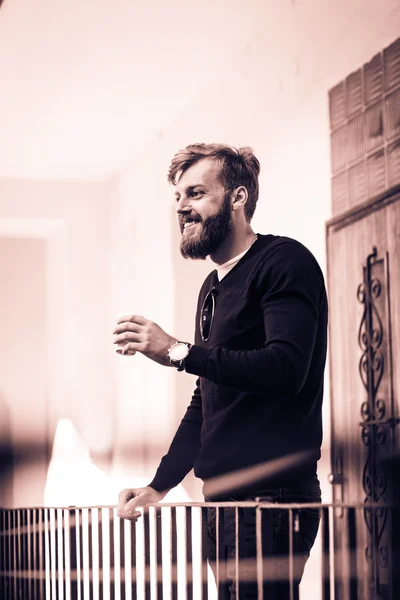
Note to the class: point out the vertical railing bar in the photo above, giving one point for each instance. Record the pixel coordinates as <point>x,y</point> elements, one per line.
<point>335,553</point>
<point>76,550</point>
<point>122,523</point>
<point>54,557</point>
<point>73,554</point>
<point>15,551</point>
<point>331,529</point>
<point>352,549</point>
<point>34,575</point>
<point>237,559</point>
<point>21,550</point>
<point>52,549</point>
<point>86,555</point>
<point>26,568</point>
<point>220,537</point>
<point>18,552</point>
<point>217,575</point>
<point>10,556</point>
<point>69,523</point>
<point>189,553</point>
<point>57,555</point>
<point>183,560</point>
<point>326,588</point>
<point>27,575</point>
<point>6,533</point>
<point>24,562</point>
<point>259,553</point>
<point>39,552</point>
<point>34,554</point>
<point>63,570</point>
<point>100,560</point>
<point>241,547</point>
<point>89,555</point>
<point>133,570</point>
<point>204,553</point>
<point>146,549</point>
<point>2,554</point>
<point>173,555</point>
<point>291,570</point>
<point>60,553</point>
<point>159,556</point>
<point>77,542</point>
<point>332,554</point>
<point>90,550</point>
<point>153,554</point>
<point>122,547</point>
<point>46,546</point>
<point>10,552</point>
<point>114,578</point>
<point>79,551</point>
<point>42,553</point>
<point>37,564</point>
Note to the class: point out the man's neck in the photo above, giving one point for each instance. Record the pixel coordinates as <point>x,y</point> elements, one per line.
<point>235,244</point>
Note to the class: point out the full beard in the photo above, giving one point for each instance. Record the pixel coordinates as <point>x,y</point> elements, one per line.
<point>214,231</point>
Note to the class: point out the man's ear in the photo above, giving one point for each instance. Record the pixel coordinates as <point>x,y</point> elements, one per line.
<point>239,198</point>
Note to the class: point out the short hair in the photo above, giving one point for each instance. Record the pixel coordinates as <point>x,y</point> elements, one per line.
<point>239,166</point>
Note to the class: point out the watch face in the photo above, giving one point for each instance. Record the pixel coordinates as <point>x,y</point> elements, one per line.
<point>178,352</point>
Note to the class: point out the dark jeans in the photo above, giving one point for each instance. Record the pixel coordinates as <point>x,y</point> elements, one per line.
<point>278,570</point>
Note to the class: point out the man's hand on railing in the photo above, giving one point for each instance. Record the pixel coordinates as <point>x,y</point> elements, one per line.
<point>130,499</point>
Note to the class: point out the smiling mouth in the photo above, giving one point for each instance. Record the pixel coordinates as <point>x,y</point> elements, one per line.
<point>188,225</point>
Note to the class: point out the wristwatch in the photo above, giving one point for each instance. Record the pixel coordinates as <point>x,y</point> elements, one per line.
<point>177,354</point>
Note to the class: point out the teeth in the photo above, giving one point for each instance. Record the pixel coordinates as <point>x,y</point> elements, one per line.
<point>188,224</point>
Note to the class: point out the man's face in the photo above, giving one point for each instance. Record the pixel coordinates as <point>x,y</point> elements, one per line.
<point>204,210</point>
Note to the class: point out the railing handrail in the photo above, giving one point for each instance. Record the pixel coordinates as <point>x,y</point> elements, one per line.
<point>233,503</point>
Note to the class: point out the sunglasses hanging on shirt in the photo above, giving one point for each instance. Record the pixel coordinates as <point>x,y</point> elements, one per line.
<point>207,315</point>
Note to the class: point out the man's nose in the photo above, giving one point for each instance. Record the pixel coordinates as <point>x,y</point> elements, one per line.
<point>183,206</point>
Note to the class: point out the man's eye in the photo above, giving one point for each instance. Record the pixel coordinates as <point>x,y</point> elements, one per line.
<point>196,193</point>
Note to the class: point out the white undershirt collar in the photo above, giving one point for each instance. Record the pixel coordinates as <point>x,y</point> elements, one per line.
<point>224,269</point>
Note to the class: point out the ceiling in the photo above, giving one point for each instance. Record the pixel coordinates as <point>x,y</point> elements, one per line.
<point>84,83</point>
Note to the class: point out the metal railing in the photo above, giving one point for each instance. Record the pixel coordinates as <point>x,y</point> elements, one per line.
<point>89,553</point>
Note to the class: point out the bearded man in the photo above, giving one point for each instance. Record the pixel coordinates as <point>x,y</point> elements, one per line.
<point>259,357</point>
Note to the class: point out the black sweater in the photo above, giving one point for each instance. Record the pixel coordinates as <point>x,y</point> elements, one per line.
<point>259,390</point>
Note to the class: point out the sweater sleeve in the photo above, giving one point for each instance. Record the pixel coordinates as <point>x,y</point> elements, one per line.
<point>290,285</point>
<point>185,446</point>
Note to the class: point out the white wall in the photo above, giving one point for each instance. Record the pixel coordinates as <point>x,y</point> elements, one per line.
<point>72,222</point>
<point>142,283</point>
<point>23,357</point>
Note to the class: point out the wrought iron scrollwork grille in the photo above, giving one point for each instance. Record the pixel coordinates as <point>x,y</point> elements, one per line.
<point>377,413</point>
